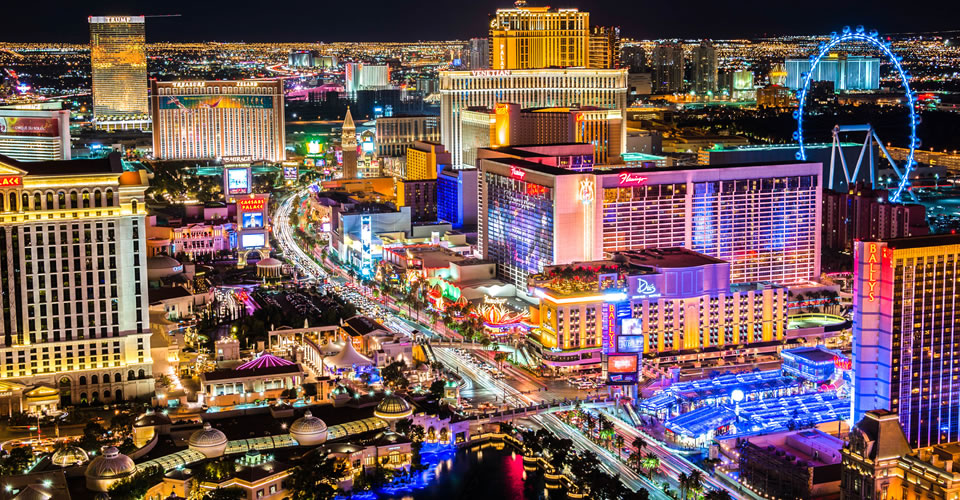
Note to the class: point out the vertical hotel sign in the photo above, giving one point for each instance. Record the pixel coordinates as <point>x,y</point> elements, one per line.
<point>608,325</point>
<point>872,328</point>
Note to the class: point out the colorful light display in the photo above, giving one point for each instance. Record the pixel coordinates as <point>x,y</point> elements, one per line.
<point>265,360</point>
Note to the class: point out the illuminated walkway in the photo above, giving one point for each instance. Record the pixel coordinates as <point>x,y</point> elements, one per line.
<point>187,457</point>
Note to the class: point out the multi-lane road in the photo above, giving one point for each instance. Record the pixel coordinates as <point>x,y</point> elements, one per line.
<point>504,391</point>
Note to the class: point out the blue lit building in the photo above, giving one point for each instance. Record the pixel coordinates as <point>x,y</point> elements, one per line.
<point>846,72</point>
<point>457,197</point>
<point>813,364</point>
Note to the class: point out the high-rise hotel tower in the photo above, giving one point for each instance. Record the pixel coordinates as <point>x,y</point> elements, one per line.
<point>539,88</point>
<point>537,37</point>
<point>905,327</point>
<point>118,59</point>
<point>241,119</point>
<point>74,326</point>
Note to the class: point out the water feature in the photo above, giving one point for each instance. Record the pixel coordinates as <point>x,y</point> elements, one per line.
<point>491,471</point>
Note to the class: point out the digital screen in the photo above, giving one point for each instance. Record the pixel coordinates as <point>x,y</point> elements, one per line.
<point>253,240</point>
<point>215,101</point>
<point>237,182</point>
<point>622,369</point>
<point>630,343</point>
<point>309,162</point>
<point>313,148</point>
<point>40,127</point>
<point>290,173</point>
<point>368,147</point>
<point>621,363</point>
<point>252,219</point>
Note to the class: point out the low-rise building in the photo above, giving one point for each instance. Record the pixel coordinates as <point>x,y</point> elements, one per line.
<point>795,465</point>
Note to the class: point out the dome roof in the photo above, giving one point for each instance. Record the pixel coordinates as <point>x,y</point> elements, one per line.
<point>70,455</point>
<point>111,464</point>
<point>308,425</point>
<point>151,418</point>
<point>393,406</point>
<point>161,261</point>
<point>269,262</point>
<point>207,437</point>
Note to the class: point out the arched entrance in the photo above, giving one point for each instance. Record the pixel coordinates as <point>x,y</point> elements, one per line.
<point>251,256</point>
<point>65,397</point>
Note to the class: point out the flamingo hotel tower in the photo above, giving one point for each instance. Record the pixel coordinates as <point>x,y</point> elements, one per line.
<point>241,120</point>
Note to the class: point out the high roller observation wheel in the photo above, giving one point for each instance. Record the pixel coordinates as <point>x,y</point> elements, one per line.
<point>872,38</point>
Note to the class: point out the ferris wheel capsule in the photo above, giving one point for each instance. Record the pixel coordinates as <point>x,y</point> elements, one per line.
<point>860,28</point>
<point>798,155</point>
<point>874,34</point>
<point>796,114</point>
<point>846,30</point>
<point>834,35</point>
<point>796,135</point>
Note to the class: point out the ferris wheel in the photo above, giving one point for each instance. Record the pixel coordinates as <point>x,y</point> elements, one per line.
<point>823,50</point>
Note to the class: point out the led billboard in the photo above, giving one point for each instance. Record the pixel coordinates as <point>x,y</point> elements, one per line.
<point>621,369</point>
<point>238,181</point>
<point>255,240</point>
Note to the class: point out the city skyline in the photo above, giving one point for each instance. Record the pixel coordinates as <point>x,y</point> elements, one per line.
<point>64,22</point>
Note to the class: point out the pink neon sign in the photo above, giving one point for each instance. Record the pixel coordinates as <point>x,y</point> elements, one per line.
<point>516,173</point>
<point>631,179</point>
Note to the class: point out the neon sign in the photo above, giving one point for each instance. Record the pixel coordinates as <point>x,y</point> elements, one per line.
<point>631,179</point>
<point>10,180</point>
<point>645,289</point>
<point>586,193</point>
<point>518,174</point>
<point>873,271</point>
<point>251,204</point>
<point>842,363</point>
<point>605,326</point>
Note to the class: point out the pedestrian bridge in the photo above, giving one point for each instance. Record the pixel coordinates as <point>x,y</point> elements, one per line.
<point>541,408</point>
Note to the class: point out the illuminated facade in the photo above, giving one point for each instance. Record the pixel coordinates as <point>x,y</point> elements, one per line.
<point>73,270</point>
<point>537,37</point>
<point>564,88</point>
<point>348,143</point>
<point>423,159</point>
<point>218,119</point>
<point>762,219</point>
<point>522,214</point>
<point>507,124</point>
<point>904,300</point>
<point>671,305</point>
<point>118,59</point>
<point>845,71</point>
<point>394,134</point>
<point>35,135</point>
<point>604,47</point>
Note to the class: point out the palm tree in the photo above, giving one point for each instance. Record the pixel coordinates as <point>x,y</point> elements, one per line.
<point>695,484</point>
<point>717,495</point>
<point>683,480</point>
<point>651,463</point>
<point>619,441</point>
<point>639,443</point>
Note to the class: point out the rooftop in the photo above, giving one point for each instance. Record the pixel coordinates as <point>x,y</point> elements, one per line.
<point>665,258</point>
<point>933,240</point>
<point>110,164</point>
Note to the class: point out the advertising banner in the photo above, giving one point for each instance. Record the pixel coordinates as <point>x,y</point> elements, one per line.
<point>216,101</point>
<point>28,126</point>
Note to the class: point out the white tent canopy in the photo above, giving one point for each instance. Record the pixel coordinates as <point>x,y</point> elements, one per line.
<point>347,358</point>
<point>330,348</point>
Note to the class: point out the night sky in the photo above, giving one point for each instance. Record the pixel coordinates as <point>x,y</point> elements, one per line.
<point>410,20</point>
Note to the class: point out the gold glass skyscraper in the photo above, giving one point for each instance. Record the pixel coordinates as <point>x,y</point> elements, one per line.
<point>538,37</point>
<point>119,61</point>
